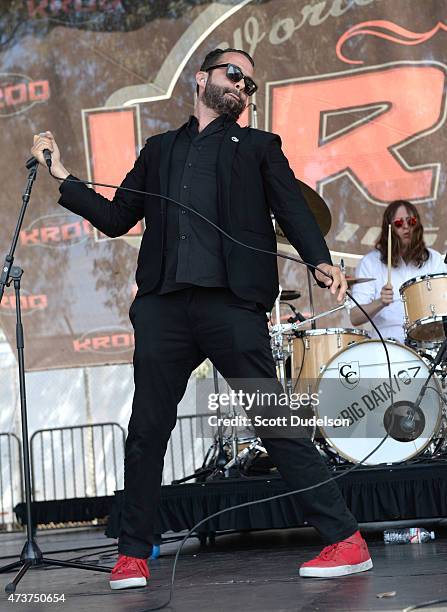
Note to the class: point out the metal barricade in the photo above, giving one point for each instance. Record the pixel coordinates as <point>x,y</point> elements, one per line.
<point>187,447</point>
<point>77,461</point>
<point>87,460</point>
<point>11,479</point>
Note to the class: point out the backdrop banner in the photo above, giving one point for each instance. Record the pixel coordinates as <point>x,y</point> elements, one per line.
<point>355,88</point>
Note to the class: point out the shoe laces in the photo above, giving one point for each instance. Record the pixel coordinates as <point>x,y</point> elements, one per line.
<point>126,563</point>
<point>330,551</point>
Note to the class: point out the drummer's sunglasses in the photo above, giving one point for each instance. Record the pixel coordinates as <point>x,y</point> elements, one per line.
<point>235,74</point>
<point>411,221</point>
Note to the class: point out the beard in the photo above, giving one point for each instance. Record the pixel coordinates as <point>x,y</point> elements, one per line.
<point>214,97</point>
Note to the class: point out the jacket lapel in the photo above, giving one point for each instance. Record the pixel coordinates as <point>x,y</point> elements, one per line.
<point>167,143</point>
<point>233,137</point>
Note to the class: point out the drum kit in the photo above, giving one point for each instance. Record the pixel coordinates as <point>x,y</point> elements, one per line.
<point>348,372</point>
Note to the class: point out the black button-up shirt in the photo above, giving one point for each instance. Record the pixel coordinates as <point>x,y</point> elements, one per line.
<point>193,249</point>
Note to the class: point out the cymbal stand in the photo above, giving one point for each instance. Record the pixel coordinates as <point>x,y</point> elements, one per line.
<point>289,327</point>
<point>277,344</point>
<point>311,299</point>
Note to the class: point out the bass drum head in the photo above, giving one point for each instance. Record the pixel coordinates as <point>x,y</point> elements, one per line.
<point>354,387</point>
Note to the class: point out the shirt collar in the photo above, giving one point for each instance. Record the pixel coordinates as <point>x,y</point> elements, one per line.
<point>223,120</point>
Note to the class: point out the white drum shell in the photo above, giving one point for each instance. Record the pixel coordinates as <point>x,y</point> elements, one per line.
<point>366,432</point>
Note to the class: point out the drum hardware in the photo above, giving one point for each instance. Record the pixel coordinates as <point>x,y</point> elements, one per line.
<point>246,456</point>
<point>278,345</point>
<point>276,333</point>
<point>297,316</point>
<point>322,214</point>
<point>289,327</point>
<point>311,299</point>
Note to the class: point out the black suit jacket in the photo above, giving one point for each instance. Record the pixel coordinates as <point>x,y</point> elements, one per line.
<point>254,177</point>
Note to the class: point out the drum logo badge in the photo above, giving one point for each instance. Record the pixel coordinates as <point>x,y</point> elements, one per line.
<point>349,374</point>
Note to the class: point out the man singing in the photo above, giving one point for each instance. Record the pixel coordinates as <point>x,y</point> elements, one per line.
<point>208,296</point>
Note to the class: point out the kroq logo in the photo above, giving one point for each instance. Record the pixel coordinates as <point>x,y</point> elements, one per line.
<point>58,230</point>
<point>18,93</point>
<point>45,8</point>
<point>29,303</point>
<point>107,341</point>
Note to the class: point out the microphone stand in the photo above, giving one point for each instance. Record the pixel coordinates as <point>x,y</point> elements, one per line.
<point>441,356</point>
<point>31,554</point>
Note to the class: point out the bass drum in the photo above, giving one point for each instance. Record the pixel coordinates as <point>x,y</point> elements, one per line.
<point>354,399</point>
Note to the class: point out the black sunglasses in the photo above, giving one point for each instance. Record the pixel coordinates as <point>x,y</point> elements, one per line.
<point>235,74</point>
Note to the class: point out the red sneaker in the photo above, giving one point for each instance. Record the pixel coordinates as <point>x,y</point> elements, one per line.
<point>129,572</point>
<point>347,557</point>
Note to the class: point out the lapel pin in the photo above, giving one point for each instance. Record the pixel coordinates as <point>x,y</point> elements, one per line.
<point>234,139</point>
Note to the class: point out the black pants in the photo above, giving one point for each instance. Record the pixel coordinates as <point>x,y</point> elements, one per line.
<point>174,333</point>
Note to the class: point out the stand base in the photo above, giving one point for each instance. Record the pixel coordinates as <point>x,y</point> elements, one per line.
<point>31,556</point>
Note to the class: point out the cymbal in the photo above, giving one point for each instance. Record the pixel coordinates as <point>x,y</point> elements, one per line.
<point>318,208</point>
<point>351,280</point>
<point>289,294</point>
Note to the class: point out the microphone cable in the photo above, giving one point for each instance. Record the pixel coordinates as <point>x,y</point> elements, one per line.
<point>274,254</point>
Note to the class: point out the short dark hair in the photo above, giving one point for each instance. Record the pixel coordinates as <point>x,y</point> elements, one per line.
<point>212,58</point>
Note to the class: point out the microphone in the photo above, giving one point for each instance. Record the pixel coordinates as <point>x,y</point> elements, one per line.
<point>254,115</point>
<point>47,157</point>
<point>297,315</point>
<point>408,423</point>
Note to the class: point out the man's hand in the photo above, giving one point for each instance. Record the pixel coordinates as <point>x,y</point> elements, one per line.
<point>336,283</point>
<point>45,140</point>
<point>386,295</point>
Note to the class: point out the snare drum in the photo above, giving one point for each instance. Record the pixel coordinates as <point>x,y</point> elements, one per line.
<point>354,387</point>
<point>425,303</point>
<point>313,348</point>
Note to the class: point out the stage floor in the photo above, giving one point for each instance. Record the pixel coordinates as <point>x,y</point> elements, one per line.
<point>256,571</point>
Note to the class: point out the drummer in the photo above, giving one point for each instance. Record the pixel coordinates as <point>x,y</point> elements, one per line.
<point>410,257</point>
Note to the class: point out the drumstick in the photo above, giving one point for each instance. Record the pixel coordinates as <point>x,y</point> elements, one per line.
<point>389,255</point>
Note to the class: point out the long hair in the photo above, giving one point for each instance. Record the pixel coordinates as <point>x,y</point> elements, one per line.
<point>417,253</point>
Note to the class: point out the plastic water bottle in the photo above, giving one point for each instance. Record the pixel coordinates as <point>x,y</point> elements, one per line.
<point>412,535</point>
